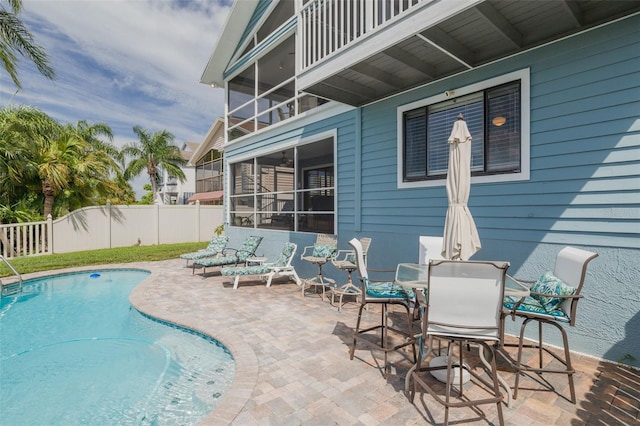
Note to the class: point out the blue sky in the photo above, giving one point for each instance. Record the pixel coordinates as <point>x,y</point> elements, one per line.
<point>124,63</point>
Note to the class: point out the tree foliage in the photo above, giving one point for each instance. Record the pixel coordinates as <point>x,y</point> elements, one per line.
<point>52,168</point>
<point>16,40</point>
<point>151,153</point>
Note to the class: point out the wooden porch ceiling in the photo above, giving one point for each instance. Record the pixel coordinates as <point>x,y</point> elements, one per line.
<point>490,30</point>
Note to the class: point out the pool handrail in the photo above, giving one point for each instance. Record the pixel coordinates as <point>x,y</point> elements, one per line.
<point>11,288</point>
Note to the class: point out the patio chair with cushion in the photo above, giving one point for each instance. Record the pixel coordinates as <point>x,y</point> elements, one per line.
<point>215,248</point>
<point>553,301</point>
<point>384,293</point>
<point>464,308</point>
<point>248,249</point>
<point>320,253</point>
<point>282,267</point>
<point>345,260</point>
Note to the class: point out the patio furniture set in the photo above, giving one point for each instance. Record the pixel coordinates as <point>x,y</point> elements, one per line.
<point>450,306</point>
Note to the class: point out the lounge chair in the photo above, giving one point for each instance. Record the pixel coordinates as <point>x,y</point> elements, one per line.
<point>239,256</point>
<point>215,248</point>
<point>282,266</point>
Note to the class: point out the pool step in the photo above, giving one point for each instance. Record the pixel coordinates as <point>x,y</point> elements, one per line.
<point>13,287</point>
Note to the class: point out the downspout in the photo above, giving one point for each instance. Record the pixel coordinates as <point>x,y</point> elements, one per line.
<point>357,199</point>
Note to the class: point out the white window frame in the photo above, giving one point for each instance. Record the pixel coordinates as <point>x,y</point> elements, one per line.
<point>525,154</point>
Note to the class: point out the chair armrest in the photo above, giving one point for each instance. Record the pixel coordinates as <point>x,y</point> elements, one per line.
<point>344,253</point>
<point>559,296</point>
<point>520,281</point>
<point>304,251</point>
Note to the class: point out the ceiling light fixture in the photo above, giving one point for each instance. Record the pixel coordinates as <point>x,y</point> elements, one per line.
<point>499,121</point>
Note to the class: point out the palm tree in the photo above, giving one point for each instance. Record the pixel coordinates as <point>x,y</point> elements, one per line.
<point>77,162</point>
<point>19,127</point>
<point>153,152</point>
<point>16,39</point>
<point>40,156</point>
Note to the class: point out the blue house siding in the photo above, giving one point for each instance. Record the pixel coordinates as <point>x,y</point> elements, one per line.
<point>584,187</point>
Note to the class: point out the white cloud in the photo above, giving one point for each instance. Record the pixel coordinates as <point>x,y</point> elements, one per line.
<point>124,63</point>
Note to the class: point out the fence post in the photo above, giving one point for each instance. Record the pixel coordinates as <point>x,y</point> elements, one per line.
<point>157,223</point>
<point>50,234</point>
<point>108,227</point>
<point>198,220</point>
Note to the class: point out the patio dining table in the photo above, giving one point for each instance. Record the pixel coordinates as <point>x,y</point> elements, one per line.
<point>416,277</point>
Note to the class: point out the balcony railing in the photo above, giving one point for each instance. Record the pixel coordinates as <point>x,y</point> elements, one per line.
<point>328,26</point>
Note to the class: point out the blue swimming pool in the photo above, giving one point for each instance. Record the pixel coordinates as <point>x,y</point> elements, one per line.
<point>74,351</point>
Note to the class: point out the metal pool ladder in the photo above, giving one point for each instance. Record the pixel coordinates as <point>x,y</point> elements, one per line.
<point>13,287</point>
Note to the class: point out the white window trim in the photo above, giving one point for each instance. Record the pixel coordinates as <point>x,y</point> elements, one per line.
<point>525,93</point>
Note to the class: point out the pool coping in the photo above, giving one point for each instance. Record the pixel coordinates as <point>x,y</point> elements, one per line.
<point>246,362</point>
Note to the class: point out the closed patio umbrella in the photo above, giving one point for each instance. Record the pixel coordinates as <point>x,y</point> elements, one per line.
<point>461,238</point>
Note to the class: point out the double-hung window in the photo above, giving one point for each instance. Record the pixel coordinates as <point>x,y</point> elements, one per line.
<point>496,113</point>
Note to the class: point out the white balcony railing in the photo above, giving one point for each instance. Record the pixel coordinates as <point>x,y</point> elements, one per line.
<point>327,26</point>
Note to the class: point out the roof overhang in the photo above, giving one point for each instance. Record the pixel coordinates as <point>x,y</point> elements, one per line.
<point>440,39</point>
<point>228,40</point>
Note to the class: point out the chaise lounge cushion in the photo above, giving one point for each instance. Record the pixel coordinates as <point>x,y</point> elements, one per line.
<point>248,249</point>
<point>215,247</point>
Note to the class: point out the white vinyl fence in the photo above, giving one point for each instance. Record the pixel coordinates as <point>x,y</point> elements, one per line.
<point>99,227</point>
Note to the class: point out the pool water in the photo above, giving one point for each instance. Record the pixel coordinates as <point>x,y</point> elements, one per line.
<point>74,351</point>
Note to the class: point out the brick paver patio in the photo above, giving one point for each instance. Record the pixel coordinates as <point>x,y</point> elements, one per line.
<point>293,367</point>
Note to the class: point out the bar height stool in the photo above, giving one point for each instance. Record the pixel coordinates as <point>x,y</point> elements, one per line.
<point>345,260</point>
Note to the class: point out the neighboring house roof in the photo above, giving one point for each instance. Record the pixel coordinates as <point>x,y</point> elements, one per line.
<point>214,139</point>
<point>206,196</point>
<point>191,146</point>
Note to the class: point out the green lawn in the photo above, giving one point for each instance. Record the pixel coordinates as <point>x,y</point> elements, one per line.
<point>25,265</point>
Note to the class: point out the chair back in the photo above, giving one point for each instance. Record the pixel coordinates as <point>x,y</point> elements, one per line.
<point>430,248</point>
<point>360,263</point>
<point>286,256</point>
<point>465,298</point>
<point>249,247</point>
<point>326,246</point>
<point>328,239</point>
<point>218,243</point>
<point>365,242</point>
<point>571,267</point>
